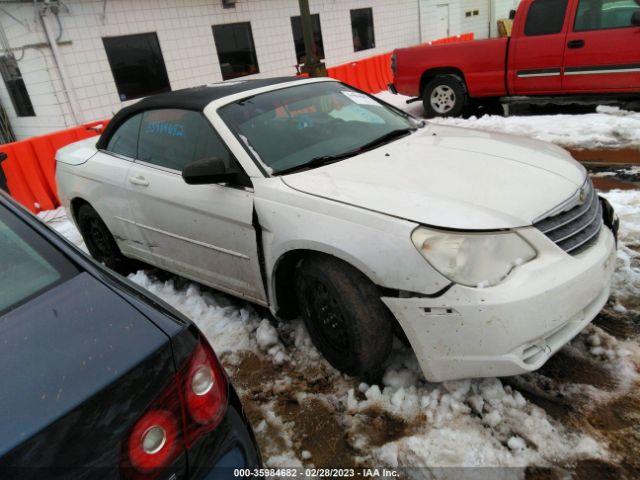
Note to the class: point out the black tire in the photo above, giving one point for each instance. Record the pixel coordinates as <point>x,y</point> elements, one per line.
<point>347,321</point>
<point>450,94</point>
<point>100,243</point>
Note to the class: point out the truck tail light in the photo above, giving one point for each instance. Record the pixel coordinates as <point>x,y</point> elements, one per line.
<point>190,407</point>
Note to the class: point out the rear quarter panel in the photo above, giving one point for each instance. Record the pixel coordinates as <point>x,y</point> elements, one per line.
<point>481,62</point>
<point>79,367</point>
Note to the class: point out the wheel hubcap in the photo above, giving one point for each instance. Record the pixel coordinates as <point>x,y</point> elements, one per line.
<point>328,317</point>
<point>443,99</point>
<point>99,239</point>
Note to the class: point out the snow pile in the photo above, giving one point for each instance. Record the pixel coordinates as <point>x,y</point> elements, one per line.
<point>609,127</point>
<point>57,219</point>
<point>464,423</point>
<point>627,277</point>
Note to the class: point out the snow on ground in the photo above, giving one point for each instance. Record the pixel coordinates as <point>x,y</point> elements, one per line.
<point>609,127</point>
<point>404,421</point>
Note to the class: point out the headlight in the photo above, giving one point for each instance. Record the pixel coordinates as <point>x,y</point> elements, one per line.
<point>473,259</point>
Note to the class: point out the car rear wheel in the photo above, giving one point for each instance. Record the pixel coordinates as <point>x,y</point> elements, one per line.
<point>444,96</point>
<point>344,315</point>
<point>100,243</point>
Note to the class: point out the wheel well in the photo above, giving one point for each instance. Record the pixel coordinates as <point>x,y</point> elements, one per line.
<point>284,280</point>
<point>76,203</point>
<point>434,72</point>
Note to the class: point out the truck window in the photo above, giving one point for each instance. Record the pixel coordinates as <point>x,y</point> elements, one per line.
<point>604,14</point>
<point>545,17</point>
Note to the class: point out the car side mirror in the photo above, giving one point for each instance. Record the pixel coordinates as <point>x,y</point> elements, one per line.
<point>635,18</point>
<point>207,171</point>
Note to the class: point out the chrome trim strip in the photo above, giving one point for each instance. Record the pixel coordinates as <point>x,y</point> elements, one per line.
<point>586,207</point>
<point>531,75</point>
<point>586,240</point>
<point>189,240</point>
<point>594,216</point>
<point>568,204</point>
<point>600,72</point>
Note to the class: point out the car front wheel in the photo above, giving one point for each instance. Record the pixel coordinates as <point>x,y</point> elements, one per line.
<point>444,96</point>
<point>344,315</point>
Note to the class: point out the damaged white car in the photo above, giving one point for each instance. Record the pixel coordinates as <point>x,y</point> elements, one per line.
<point>487,252</point>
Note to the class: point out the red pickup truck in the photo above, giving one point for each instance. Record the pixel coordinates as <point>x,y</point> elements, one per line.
<point>559,51</point>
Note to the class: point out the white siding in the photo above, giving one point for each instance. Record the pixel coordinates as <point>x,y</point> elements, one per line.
<point>501,9</point>
<point>475,17</point>
<point>429,18</point>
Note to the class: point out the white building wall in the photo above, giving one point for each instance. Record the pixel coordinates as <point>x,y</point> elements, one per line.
<point>184,29</point>
<point>429,18</point>
<point>475,17</point>
<point>186,39</point>
<point>500,10</point>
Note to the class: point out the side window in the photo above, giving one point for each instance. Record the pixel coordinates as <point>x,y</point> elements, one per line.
<point>545,17</point>
<point>173,138</point>
<point>604,14</point>
<point>124,140</point>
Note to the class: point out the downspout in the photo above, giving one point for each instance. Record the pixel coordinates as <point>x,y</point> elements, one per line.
<point>62,70</point>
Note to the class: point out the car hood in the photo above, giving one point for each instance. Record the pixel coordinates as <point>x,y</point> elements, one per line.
<point>451,177</point>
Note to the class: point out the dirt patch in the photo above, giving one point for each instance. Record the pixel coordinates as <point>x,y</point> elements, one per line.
<point>621,325</point>
<point>625,156</point>
<point>317,430</point>
<point>604,184</point>
<point>593,469</point>
<point>544,473</point>
<point>619,414</point>
<point>381,427</point>
<point>564,369</point>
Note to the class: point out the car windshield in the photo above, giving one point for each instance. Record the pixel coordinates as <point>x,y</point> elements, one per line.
<point>296,127</point>
<point>29,263</point>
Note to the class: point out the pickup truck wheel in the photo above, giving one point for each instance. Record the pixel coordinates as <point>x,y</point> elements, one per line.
<point>344,315</point>
<point>444,96</point>
<point>100,243</point>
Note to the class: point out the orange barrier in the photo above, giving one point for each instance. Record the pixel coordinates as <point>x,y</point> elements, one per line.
<point>373,74</point>
<point>30,165</point>
<point>465,37</point>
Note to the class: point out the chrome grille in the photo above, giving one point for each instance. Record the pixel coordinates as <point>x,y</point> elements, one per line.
<point>576,229</point>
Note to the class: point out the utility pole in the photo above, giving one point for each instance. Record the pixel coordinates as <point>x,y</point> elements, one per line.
<point>312,64</point>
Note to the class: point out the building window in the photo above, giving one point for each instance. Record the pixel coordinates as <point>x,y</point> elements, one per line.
<point>298,40</point>
<point>16,87</point>
<point>362,28</point>
<point>137,65</point>
<point>236,51</point>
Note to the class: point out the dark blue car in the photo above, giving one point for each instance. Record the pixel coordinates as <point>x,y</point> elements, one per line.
<point>100,380</point>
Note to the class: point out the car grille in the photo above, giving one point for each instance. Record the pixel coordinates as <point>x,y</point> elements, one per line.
<point>576,229</point>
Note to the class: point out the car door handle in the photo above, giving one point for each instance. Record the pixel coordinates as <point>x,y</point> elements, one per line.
<point>139,180</point>
<point>575,44</point>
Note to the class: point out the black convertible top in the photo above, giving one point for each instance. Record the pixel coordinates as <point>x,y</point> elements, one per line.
<point>195,98</point>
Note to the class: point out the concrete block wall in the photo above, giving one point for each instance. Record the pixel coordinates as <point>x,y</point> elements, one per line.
<point>184,30</point>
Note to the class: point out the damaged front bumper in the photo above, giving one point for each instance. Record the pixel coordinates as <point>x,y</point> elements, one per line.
<point>513,327</point>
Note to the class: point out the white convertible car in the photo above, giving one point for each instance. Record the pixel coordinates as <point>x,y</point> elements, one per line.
<point>487,252</point>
